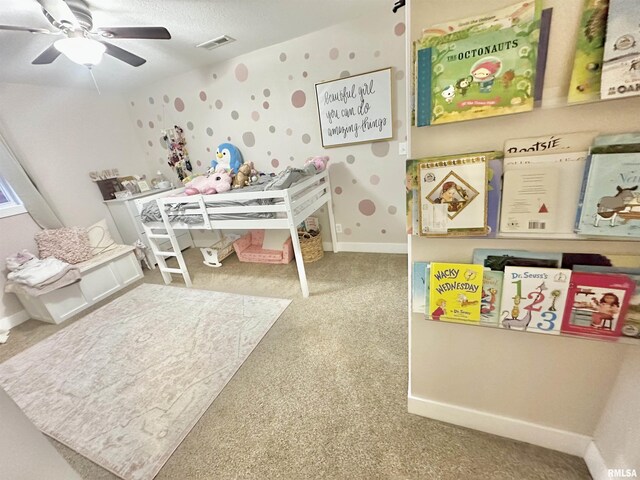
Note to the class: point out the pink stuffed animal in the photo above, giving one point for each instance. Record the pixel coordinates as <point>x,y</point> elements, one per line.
<point>319,162</point>
<point>214,182</point>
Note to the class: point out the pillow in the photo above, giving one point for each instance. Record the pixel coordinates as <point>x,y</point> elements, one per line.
<point>100,239</point>
<point>70,245</point>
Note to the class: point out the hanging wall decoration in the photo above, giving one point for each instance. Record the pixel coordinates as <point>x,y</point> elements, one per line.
<point>178,155</point>
<point>355,109</point>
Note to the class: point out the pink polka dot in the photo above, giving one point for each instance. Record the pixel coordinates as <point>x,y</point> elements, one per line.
<point>179,104</point>
<point>399,29</point>
<point>289,132</point>
<point>208,149</point>
<point>338,190</point>
<point>255,116</point>
<point>333,53</point>
<point>305,74</point>
<point>367,207</point>
<point>275,163</point>
<point>298,99</point>
<point>203,96</point>
<point>242,72</point>
<point>375,179</point>
<point>265,105</point>
<point>347,231</point>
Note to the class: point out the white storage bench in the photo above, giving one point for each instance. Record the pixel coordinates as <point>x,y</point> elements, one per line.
<point>103,275</point>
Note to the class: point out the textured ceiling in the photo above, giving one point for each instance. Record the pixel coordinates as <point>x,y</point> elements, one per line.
<point>253,23</point>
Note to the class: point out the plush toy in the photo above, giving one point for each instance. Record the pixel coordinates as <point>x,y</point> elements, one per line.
<point>227,156</point>
<point>319,162</point>
<point>242,177</point>
<point>214,182</point>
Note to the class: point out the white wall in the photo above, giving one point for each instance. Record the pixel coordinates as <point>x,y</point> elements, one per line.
<point>274,136</point>
<point>59,135</point>
<point>549,391</point>
<point>25,453</point>
<point>618,434</point>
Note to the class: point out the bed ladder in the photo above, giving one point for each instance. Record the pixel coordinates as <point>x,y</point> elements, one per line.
<point>161,256</point>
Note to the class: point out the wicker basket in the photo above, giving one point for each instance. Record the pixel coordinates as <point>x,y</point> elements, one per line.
<point>311,247</point>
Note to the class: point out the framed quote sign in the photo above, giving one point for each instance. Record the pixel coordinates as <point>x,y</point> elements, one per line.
<point>355,109</point>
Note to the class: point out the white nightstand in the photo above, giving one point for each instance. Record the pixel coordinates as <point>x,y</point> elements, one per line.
<point>127,220</point>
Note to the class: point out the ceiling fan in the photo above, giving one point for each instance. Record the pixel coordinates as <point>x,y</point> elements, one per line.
<point>81,43</point>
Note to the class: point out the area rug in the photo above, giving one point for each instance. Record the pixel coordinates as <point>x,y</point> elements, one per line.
<point>124,385</point>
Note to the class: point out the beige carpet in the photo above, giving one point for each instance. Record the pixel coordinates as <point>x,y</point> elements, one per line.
<point>324,394</point>
<point>125,385</point>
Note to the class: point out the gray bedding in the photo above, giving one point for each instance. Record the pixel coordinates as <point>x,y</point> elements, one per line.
<point>285,179</point>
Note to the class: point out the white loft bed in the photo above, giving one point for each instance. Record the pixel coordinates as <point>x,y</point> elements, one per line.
<point>290,208</point>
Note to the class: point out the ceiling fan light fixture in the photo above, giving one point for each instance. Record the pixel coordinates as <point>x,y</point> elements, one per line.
<point>81,50</point>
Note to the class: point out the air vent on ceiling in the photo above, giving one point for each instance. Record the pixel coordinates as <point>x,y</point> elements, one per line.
<point>216,42</point>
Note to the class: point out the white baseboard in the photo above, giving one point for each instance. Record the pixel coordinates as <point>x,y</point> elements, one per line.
<point>367,247</point>
<point>7,323</point>
<point>595,463</point>
<point>541,435</point>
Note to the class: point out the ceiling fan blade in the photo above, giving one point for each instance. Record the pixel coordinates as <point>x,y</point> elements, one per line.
<point>59,12</point>
<point>48,56</point>
<point>153,33</point>
<point>123,55</point>
<point>26,29</point>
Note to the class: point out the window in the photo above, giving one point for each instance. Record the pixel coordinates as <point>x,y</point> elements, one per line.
<point>10,204</point>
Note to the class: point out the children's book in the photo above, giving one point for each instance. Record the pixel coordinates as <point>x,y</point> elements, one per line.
<point>412,198</point>
<point>541,192</point>
<point>587,64</point>
<point>497,259</point>
<point>611,201</point>
<point>533,299</point>
<point>455,292</point>
<point>491,295</point>
<point>420,287</point>
<point>494,195</point>
<point>597,304</point>
<point>454,195</point>
<point>631,323</point>
<point>621,59</point>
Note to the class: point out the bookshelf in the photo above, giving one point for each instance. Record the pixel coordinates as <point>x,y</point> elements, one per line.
<point>548,390</point>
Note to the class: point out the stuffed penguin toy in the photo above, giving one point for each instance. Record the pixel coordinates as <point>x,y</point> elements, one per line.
<point>228,157</point>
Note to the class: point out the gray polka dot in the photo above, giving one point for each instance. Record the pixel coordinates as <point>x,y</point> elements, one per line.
<point>380,149</point>
<point>266,92</point>
<point>235,115</point>
<point>139,123</point>
<point>218,104</point>
<point>352,55</point>
<point>190,125</point>
<point>283,57</point>
<point>165,98</point>
<point>351,159</point>
<point>272,129</point>
<point>392,210</point>
<point>376,53</point>
<point>253,97</point>
<point>151,100</point>
<point>306,138</point>
<point>210,131</point>
<point>249,139</point>
<point>344,74</point>
<point>290,77</point>
<point>306,56</point>
<point>334,53</point>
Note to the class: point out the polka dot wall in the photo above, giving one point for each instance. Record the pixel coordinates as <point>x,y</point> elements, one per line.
<point>264,102</point>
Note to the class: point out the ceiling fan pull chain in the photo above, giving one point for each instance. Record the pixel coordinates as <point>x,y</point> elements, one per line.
<point>94,80</point>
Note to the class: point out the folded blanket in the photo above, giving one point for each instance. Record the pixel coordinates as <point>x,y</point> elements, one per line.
<point>38,273</point>
<point>18,260</point>
<point>72,275</point>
